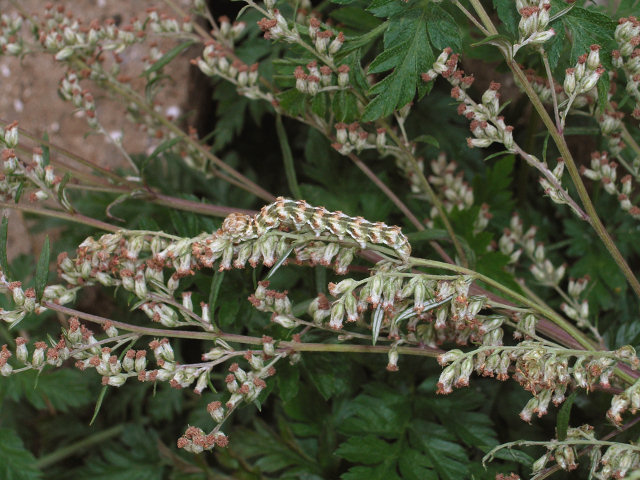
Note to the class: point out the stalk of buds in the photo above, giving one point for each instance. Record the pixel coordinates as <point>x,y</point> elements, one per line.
<point>534,20</point>
<point>605,171</point>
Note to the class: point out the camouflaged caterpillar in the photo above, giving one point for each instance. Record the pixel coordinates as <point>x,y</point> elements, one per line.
<point>299,216</point>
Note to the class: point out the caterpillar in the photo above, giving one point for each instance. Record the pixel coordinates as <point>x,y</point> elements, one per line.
<point>299,216</point>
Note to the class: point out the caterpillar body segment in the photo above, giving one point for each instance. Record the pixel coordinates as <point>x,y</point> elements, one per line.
<point>299,216</point>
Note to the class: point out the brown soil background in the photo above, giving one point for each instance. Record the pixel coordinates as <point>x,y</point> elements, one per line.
<point>29,95</point>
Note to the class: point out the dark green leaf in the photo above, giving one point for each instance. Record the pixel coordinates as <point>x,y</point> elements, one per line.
<point>42,270</point>
<point>289,167</point>
<point>409,54</point>
<point>345,106</point>
<point>514,456</point>
<point>368,450</point>
<point>508,14</point>
<point>288,379</point>
<point>46,154</point>
<point>167,57</point>
<point>164,146</point>
<point>16,462</point>
<point>214,291</point>
<point>427,139</point>
<point>564,415</point>
<point>442,28</point>
<point>588,27</point>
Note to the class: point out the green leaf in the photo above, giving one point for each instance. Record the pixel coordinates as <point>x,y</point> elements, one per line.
<point>287,158</point>
<point>427,139</point>
<point>164,146</point>
<point>280,261</point>
<point>508,14</point>
<point>4,263</point>
<point>447,457</point>
<point>42,270</point>
<point>134,457</point>
<point>588,27</point>
<point>16,462</point>
<point>167,57</point>
<point>288,379</point>
<point>368,450</point>
<point>345,106</point>
<point>46,153</point>
<point>214,291</point>
<point>376,324</point>
<point>514,456</point>
<point>44,390</point>
<point>408,53</point>
<point>62,194</point>
<point>442,28</point>
<point>564,414</point>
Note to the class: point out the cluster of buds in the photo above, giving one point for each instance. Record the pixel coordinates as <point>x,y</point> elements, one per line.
<point>618,459</point>
<point>487,125</point>
<point>161,23</point>
<point>316,80</point>
<point>564,452</point>
<point>275,27</point>
<point>321,38</point>
<point>541,268</point>
<point>583,77</point>
<point>243,386</point>
<point>453,189</point>
<point>543,371</point>
<point>534,20</point>
<point>277,303</point>
<point>228,33</point>
<point>71,91</point>
<point>37,175</point>
<point>352,136</point>
<point>418,308</point>
<point>10,40</point>
<point>215,62</point>
<point>627,36</point>
<point>64,36</point>
<point>542,87</point>
<point>611,127</point>
<point>577,309</point>
<point>605,171</point>
<point>42,355</point>
<point>551,182</point>
<point>25,301</point>
<point>194,440</point>
<point>627,400</point>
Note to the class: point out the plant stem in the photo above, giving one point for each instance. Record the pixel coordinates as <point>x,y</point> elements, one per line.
<point>287,158</point>
<point>244,339</point>
<point>72,217</point>
<point>554,98</point>
<point>69,450</point>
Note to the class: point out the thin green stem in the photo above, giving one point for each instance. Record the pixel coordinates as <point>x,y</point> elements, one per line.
<point>70,450</point>
<point>470,16</point>
<point>552,85</point>
<point>287,158</point>
<point>244,339</point>
<point>71,217</point>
